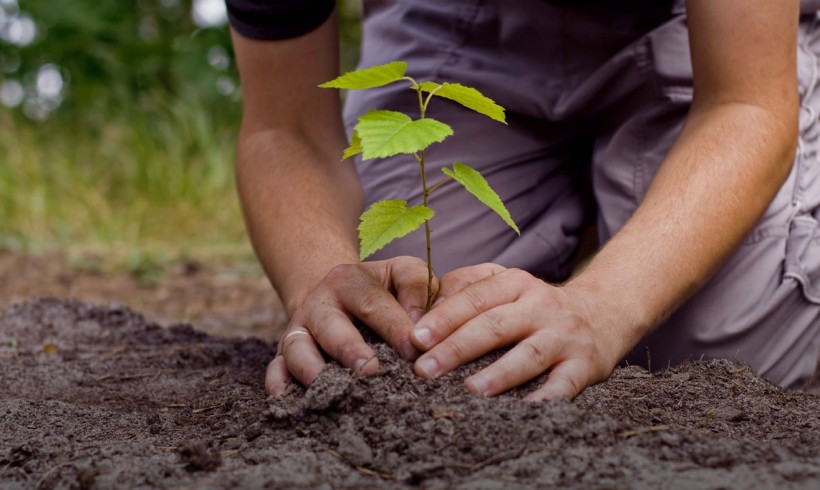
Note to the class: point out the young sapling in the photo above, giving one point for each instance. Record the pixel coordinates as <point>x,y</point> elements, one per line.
<point>383,133</point>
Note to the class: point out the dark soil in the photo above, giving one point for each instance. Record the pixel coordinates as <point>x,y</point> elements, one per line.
<point>98,397</point>
<point>232,298</point>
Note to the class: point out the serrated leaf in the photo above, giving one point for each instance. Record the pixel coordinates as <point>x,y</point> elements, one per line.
<point>355,146</point>
<point>468,97</point>
<point>375,76</point>
<point>477,185</point>
<point>428,86</point>
<point>387,220</point>
<point>388,133</point>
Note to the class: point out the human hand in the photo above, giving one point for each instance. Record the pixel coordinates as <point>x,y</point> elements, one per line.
<point>485,307</point>
<point>387,296</point>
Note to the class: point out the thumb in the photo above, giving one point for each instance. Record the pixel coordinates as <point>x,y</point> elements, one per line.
<point>456,280</point>
<point>413,282</point>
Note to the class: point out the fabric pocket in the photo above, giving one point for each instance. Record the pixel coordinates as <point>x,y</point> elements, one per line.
<point>802,254</point>
<point>670,60</point>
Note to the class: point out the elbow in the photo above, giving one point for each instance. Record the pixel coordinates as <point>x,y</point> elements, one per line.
<point>787,132</point>
<point>777,127</point>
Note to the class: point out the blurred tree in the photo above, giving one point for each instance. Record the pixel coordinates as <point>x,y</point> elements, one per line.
<point>118,120</point>
<point>92,58</point>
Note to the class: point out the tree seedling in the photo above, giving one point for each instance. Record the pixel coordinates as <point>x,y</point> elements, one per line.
<point>383,133</point>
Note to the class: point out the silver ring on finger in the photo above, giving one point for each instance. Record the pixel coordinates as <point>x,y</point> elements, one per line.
<point>296,331</point>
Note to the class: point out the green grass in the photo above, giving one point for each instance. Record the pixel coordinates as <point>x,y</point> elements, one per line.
<point>155,181</point>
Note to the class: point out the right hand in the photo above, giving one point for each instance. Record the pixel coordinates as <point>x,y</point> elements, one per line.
<point>388,296</point>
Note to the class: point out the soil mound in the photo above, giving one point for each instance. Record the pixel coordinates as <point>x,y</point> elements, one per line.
<point>98,397</point>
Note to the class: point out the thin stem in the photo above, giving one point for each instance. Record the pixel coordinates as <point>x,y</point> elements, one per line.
<point>425,196</point>
<point>409,79</point>
<point>417,88</point>
<point>426,193</point>
<point>429,269</point>
<point>439,184</point>
<point>423,103</point>
<point>427,101</point>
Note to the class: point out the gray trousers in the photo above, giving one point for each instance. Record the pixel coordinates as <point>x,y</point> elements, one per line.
<point>596,93</point>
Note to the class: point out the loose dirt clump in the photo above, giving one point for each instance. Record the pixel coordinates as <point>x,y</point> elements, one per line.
<point>98,397</point>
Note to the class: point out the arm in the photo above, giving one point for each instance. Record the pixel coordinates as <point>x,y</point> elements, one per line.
<point>734,153</point>
<point>296,196</point>
<point>301,207</point>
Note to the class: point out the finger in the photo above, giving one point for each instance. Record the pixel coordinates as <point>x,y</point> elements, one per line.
<point>373,304</point>
<point>566,381</point>
<point>485,333</point>
<point>290,331</point>
<point>302,357</point>
<point>525,361</point>
<point>276,377</point>
<point>458,279</point>
<point>409,277</point>
<point>466,304</point>
<point>341,340</point>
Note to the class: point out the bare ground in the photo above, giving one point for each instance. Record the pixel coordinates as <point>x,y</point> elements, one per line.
<point>225,299</point>
<point>98,396</point>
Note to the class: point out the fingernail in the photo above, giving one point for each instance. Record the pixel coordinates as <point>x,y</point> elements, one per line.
<point>360,364</point>
<point>276,389</point>
<point>416,314</point>
<point>283,390</point>
<point>428,367</point>
<point>424,336</point>
<point>477,385</point>
<point>407,350</point>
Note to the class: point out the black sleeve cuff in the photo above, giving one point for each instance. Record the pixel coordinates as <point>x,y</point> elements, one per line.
<point>277,19</point>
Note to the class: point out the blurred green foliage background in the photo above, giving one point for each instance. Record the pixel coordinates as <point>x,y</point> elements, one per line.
<point>117,126</point>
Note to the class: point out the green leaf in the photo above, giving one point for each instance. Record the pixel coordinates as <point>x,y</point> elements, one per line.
<point>355,146</point>
<point>477,185</point>
<point>387,220</point>
<point>468,97</point>
<point>375,76</point>
<point>388,133</point>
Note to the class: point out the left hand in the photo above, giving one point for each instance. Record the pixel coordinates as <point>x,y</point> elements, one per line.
<point>485,307</point>
<point>385,295</point>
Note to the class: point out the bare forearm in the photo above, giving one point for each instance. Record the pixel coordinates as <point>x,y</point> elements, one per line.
<point>716,183</point>
<point>300,202</point>
<point>301,213</point>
